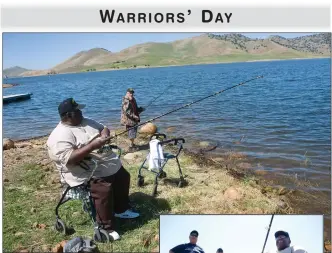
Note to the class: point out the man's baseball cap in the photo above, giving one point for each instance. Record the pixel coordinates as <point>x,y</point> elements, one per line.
<point>220,250</point>
<point>280,232</point>
<point>130,90</point>
<point>69,105</point>
<point>194,233</point>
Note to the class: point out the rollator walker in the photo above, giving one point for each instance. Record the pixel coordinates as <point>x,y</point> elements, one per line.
<point>82,192</point>
<point>156,163</point>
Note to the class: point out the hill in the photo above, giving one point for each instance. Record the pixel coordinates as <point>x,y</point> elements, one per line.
<point>206,48</point>
<point>14,71</point>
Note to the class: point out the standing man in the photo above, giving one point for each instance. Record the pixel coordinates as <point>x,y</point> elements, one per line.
<point>130,116</point>
<point>283,243</point>
<point>71,144</point>
<point>190,247</point>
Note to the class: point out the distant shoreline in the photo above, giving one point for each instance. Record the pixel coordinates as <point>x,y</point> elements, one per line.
<point>178,65</point>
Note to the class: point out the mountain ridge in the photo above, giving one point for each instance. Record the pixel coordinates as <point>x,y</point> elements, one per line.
<point>205,48</point>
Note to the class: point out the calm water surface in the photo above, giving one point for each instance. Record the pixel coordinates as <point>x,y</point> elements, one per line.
<point>282,122</point>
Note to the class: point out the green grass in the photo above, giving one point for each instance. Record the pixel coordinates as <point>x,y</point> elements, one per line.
<point>28,202</point>
<point>31,195</point>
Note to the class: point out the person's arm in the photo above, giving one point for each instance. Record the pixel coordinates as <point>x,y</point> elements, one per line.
<point>79,154</point>
<point>103,130</point>
<point>63,148</point>
<point>177,249</point>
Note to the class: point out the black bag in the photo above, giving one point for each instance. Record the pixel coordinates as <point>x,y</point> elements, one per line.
<point>78,244</point>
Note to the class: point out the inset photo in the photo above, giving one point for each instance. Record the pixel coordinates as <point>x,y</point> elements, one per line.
<point>241,233</point>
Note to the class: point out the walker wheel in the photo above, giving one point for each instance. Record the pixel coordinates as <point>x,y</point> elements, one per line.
<point>101,235</point>
<point>181,183</point>
<point>60,226</point>
<point>140,181</point>
<point>162,174</point>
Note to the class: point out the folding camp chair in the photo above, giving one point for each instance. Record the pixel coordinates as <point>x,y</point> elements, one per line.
<point>160,161</point>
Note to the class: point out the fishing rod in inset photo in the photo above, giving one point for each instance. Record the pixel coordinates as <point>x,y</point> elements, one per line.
<point>268,232</point>
<point>184,106</point>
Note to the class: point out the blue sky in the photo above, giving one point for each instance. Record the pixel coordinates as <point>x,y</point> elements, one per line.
<point>45,50</point>
<point>241,233</point>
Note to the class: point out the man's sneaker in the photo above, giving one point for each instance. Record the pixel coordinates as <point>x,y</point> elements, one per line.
<point>127,215</point>
<point>114,236</point>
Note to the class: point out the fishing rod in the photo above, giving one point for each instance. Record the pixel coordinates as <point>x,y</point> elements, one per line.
<point>267,235</point>
<point>184,106</point>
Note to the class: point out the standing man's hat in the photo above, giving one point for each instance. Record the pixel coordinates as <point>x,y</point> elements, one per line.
<point>220,250</point>
<point>130,90</point>
<point>280,232</point>
<point>69,105</point>
<point>194,233</point>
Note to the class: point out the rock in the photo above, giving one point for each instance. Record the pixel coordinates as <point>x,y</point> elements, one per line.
<point>6,180</point>
<point>232,193</point>
<point>33,210</point>
<point>282,204</point>
<point>23,144</point>
<point>156,238</point>
<point>7,85</point>
<point>170,129</point>
<point>8,144</point>
<point>204,144</point>
<point>132,156</point>
<point>148,128</point>
<point>327,246</point>
<point>219,159</point>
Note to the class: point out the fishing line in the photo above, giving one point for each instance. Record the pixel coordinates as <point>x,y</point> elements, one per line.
<point>155,98</point>
<point>184,106</point>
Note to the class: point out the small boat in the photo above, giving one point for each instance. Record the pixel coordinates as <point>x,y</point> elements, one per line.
<point>16,97</point>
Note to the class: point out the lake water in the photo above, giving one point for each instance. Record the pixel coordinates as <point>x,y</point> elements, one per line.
<point>282,122</point>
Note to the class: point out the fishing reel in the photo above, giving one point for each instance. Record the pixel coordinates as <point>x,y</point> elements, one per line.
<point>109,148</point>
<point>105,149</point>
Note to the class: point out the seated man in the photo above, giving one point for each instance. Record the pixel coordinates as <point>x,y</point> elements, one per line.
<point>70,146</point>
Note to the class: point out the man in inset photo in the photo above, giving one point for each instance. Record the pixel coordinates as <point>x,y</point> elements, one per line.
<point>220,250</point>
<point>190,247</point>
<point>283,242</point>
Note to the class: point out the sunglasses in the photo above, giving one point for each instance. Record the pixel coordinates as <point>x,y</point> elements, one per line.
<point>281,237</point>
